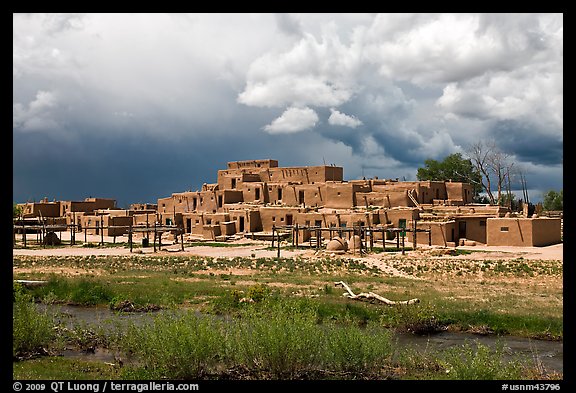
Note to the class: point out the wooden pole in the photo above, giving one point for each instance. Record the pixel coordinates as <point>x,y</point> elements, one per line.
<point>296,235</point>
<point>403,234</point>
<point>278,232</point>
<point>155,235</point>
<point>414,236</point>
<point>102,230</point>
<point>430,236</point>
<point>130,236</point>
<point>182,233</point>
<point>273,229</point>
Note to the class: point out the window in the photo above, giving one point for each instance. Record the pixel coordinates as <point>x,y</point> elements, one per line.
<point>503,229</point>
<point>257,194</point>
<point>208,221</point>
<point>273,219</point>
<point>338,193</point>
<point>282,219</point>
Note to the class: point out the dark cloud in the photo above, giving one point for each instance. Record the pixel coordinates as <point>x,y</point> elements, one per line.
<point>137,106</point>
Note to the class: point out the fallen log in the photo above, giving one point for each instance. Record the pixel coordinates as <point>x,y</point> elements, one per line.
<point>31,283</point>
<point>370,296</point>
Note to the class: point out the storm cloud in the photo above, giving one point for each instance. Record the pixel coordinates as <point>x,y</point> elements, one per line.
<point>137,106</point>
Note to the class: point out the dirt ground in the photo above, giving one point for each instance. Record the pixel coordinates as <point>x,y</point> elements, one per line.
<point>258,249</point>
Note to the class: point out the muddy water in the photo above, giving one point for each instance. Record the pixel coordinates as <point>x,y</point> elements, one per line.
<point>550,354</point>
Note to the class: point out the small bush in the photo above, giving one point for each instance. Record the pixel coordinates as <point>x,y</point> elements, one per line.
<point>32,329</point>
<point>479,362</point>
<point>175,346</point>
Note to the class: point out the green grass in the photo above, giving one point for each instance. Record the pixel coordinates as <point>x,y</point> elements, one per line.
<point>32,330</point>
<point>175,281</point>
<point>60,368</point>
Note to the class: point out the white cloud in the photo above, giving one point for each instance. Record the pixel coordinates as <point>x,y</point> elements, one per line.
<point>341,119</point>
<point>38,116</point>
<point>293,120</point>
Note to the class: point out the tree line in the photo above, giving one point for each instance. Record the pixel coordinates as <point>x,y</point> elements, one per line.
<point>492,174</point>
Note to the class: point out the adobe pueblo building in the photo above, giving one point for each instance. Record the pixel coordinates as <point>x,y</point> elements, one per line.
<point>257,197</point>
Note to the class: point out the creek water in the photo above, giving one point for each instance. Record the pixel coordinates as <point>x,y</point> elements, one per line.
<point>548,354</point>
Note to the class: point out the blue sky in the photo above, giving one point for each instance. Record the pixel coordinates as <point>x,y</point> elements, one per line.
<point>138,106</point>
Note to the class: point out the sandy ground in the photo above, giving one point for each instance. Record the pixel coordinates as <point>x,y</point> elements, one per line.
<point>255,248</point>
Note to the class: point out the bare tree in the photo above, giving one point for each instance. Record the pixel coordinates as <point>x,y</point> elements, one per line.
<point>496,168</point>
<point>480,154</point>
<point>500,165</point>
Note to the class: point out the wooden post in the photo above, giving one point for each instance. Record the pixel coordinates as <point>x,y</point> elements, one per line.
<point>297,235</point>
<point>278,232</point>
<point>155,235</point>
<point>414,236</point>
<point>182,235</point>
<point>73,235</point>
<point>273,229</point>
<point>102,230</point>
<point>430,236</point>
<point>397,239</point>
<point>130,236</point>
<point>403,234</point>
<point>371,240</point>
<point>24,234</point>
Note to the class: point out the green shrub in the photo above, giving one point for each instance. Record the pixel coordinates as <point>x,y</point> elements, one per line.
<point>183,346</point>
<point>33,330</point>
<point>479,362</point>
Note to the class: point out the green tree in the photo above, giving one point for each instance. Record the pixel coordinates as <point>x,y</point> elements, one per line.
<point>17,210</point>
<point>454,167</point>
<point>554,200</point>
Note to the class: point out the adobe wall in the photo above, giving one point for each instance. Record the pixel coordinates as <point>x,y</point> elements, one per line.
<point>246,220</point>
<point>509,232</point>
<point>546,231</point>
<point>267,163</point>
<point>393,216</point>
<point>144,218</point>
<point>44,209</point>
<point>254,192</point>
<point>121,224</point>
<point>390,198</point>
<point>306,175</point>
<point>475,228</point>
<point>441,233</point>
<point>278,216</point>
<point>339,195</point>
<point>459,191</point>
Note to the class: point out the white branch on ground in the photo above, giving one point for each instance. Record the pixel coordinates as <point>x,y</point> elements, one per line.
<point>371,296</point>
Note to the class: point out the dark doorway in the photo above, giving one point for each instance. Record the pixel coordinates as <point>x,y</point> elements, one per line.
<point>301,197</point>
<point>188,225</point>
<point>257,194</point>
<point>288,219</point>
<point>461,229</point>
<point>233,183</point>
<point>219,200</point>
<point>279,194</point>
<point>241,229</point>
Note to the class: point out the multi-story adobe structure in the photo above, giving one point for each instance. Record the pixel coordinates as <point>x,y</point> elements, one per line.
<point>256,196</point>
